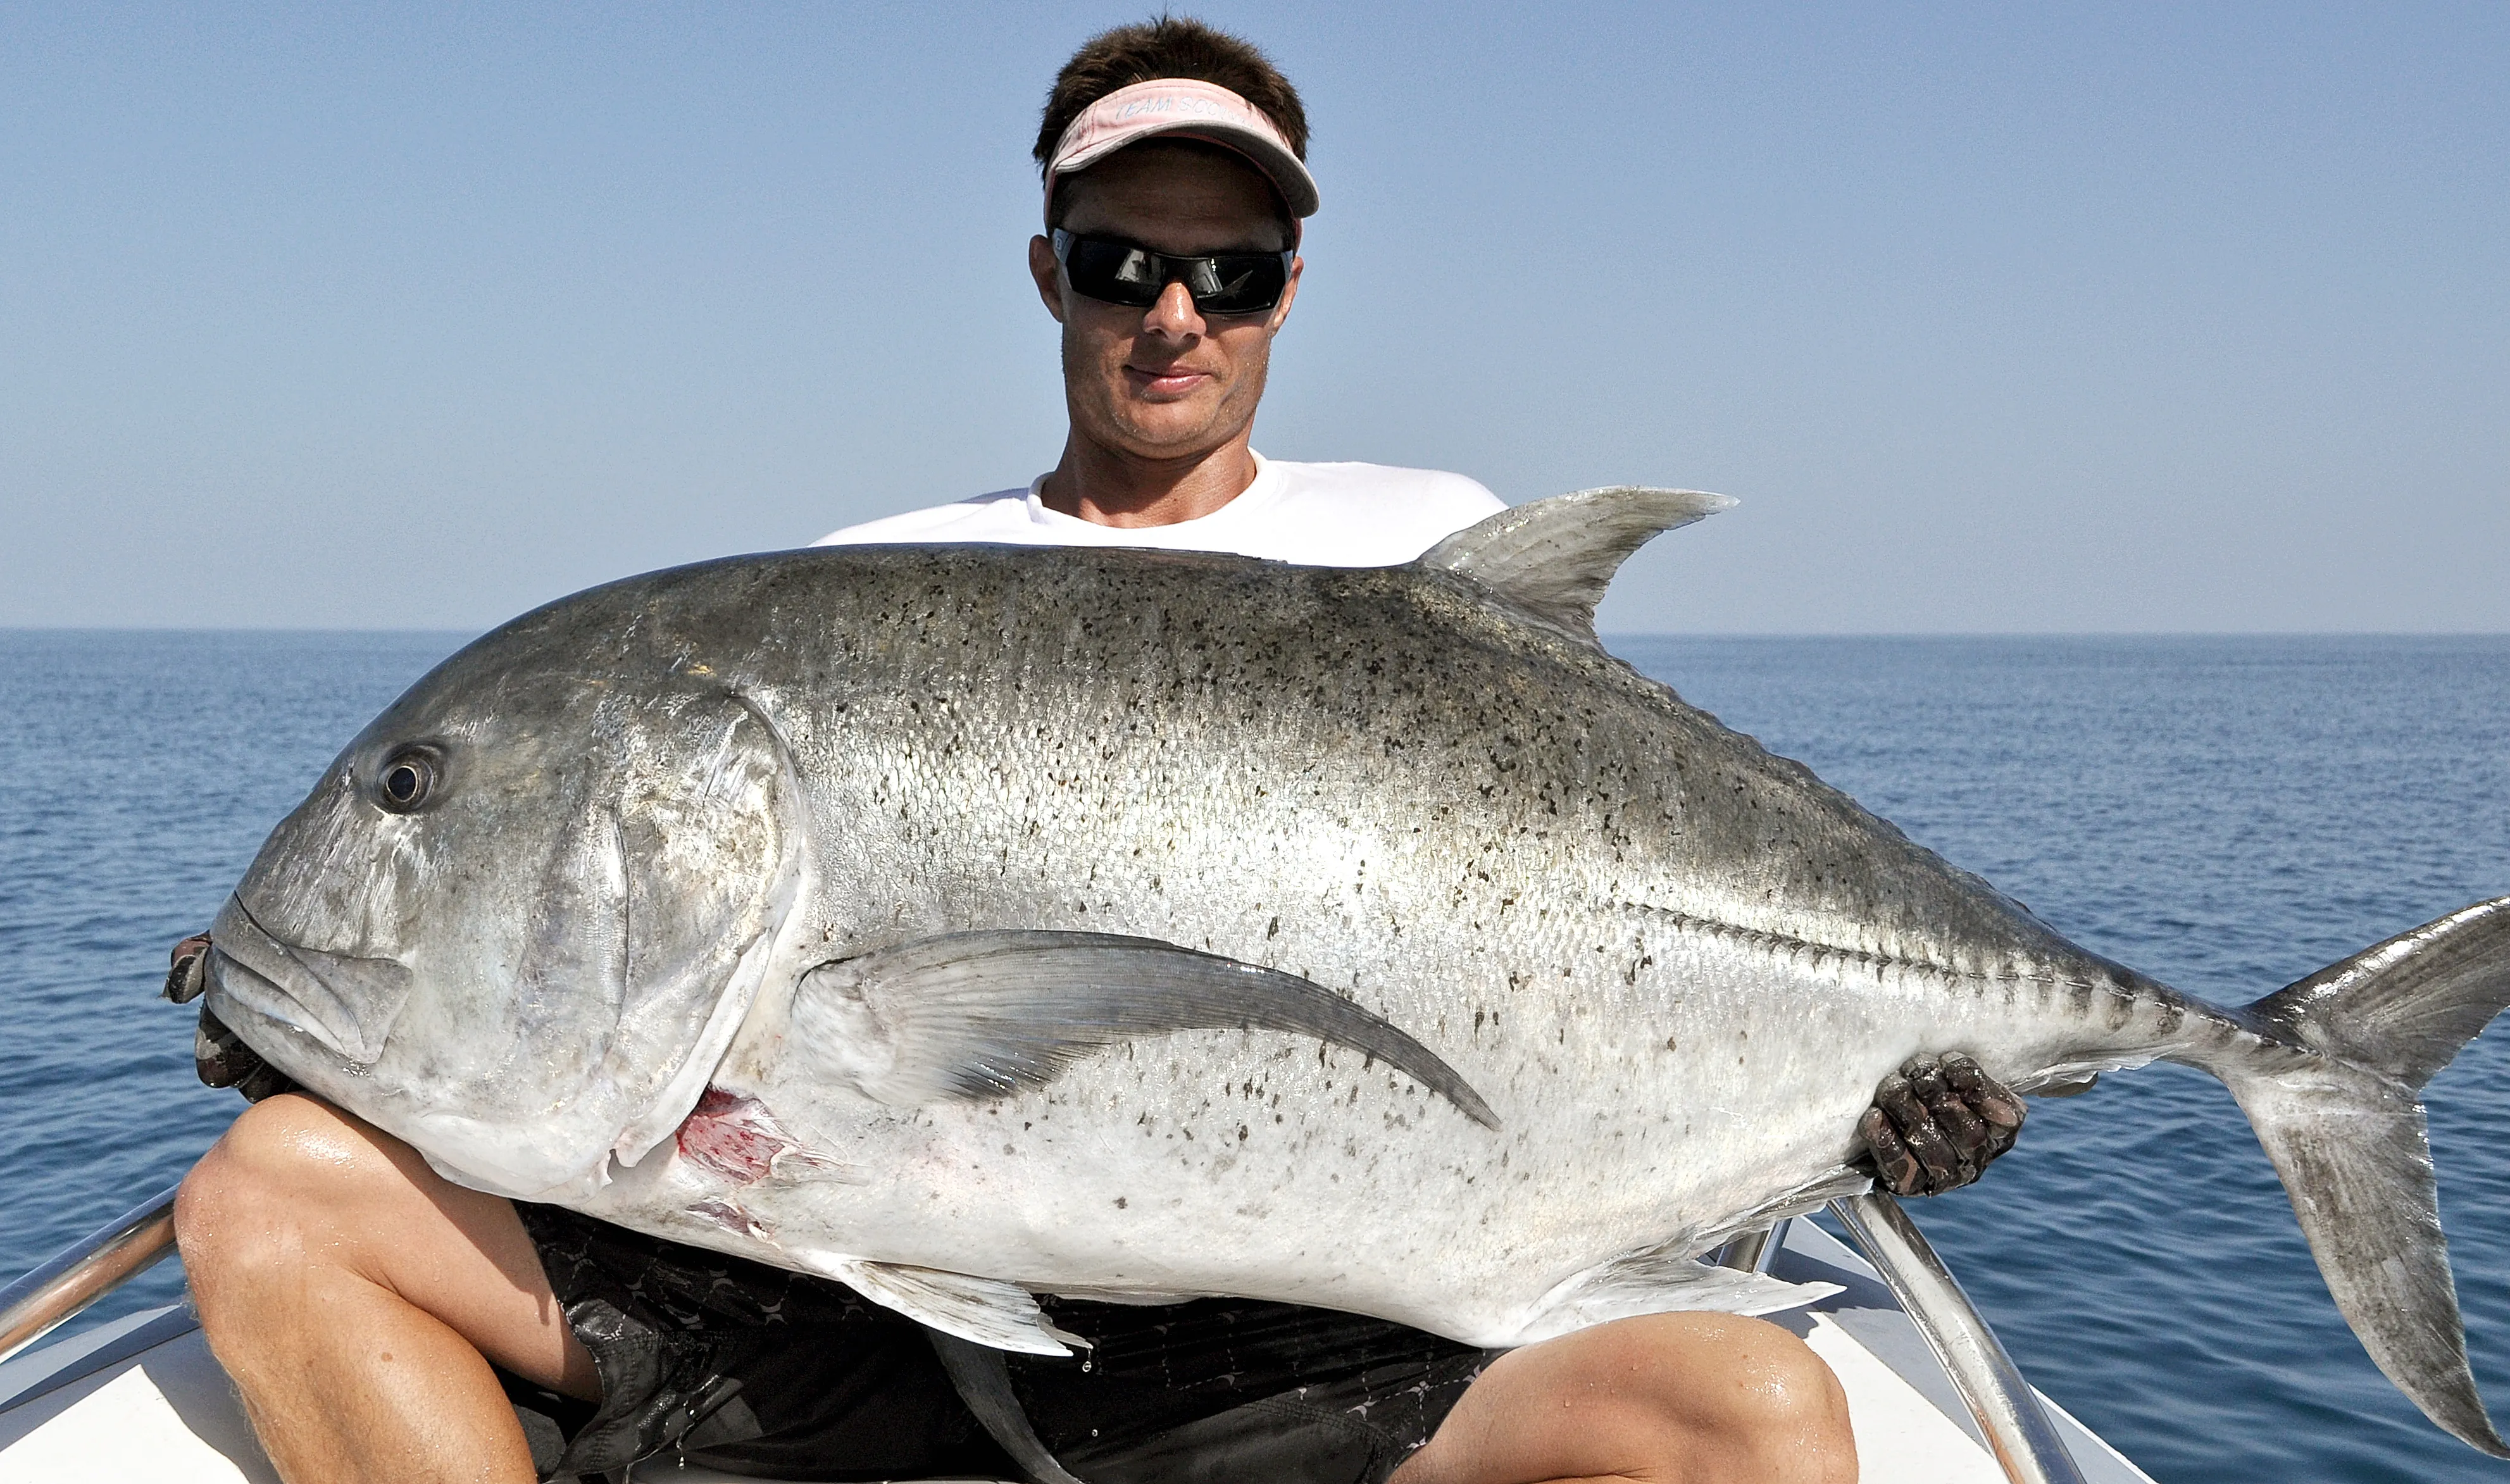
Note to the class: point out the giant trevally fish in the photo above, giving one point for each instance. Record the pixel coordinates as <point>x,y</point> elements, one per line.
<point>971,923</point>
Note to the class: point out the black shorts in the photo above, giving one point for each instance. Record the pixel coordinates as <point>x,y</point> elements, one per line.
<point>784,1376</point>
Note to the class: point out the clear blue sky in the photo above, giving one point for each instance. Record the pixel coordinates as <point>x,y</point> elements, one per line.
<point>1997,317</point>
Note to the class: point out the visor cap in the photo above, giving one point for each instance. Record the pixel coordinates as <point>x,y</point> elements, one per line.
<point>1183,108</point>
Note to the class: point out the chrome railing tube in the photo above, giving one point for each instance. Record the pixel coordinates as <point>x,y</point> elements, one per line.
<point>2017,1429</point>
<point>86,1272</point>
<point>1749,1252</point>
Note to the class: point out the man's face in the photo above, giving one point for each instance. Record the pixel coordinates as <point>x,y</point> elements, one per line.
<point>1166,382</point>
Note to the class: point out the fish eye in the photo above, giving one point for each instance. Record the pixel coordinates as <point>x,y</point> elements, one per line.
<point>407,777</point>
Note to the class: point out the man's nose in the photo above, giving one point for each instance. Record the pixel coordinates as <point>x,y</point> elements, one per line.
<point>1174,315</point>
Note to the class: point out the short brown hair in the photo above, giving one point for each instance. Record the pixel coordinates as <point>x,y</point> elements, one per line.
<point>1172,45</point>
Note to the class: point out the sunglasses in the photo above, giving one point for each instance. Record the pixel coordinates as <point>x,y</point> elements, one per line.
<point>1114,272</point>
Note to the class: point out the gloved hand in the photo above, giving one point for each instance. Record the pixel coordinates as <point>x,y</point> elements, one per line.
<point>1936,1122</point>
<point>220,1059</point>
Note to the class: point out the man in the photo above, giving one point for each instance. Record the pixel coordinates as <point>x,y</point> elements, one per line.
<point>381,1322</point>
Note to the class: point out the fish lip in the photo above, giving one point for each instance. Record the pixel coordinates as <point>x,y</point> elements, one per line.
<point>302,988</point>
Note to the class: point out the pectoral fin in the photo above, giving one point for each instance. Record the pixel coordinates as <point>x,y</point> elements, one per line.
<point>978,1016</point>
<point>985,1311</point>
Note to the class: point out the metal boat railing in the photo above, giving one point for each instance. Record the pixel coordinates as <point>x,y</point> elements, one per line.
<point>2008,1413</point>
<point>37,1304</point>
<point>2018,1428</point>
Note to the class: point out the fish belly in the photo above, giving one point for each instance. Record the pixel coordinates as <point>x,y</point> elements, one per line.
<point>1640,1113</point>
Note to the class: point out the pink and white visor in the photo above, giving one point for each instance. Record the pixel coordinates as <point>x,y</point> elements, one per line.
<point>1190,110</point>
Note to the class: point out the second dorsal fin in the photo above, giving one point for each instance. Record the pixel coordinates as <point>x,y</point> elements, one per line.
<point>1554,557</point>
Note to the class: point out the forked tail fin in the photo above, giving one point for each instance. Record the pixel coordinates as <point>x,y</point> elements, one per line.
<point>2346,1132</point>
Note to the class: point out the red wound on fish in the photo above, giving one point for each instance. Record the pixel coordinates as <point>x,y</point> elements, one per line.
<point>735,1137</point>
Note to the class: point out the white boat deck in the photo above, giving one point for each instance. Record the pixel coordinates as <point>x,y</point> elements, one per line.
<point>140,1399</point>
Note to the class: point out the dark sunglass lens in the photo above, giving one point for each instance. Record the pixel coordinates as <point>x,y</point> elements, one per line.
<point>1114,273</point>
<point>1240,285</point>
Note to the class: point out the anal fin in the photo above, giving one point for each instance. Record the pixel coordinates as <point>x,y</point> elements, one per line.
<point>1799,1201</point>
<point>1627,1287</point>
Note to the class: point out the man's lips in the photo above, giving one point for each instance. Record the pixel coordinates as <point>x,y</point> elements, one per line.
<point>1165,380</point>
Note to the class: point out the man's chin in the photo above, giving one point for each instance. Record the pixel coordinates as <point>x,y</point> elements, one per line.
<point>1173,430</point>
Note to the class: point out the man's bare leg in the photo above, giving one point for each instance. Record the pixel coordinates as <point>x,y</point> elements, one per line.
<point>1686,1398</point>
<point>356,1298</point>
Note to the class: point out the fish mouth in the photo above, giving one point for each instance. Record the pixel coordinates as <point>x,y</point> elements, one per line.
<point>345,1004</point>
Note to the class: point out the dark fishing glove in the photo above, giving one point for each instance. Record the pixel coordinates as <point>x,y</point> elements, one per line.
<point>220,1059</point>
<point>1936,1122</point>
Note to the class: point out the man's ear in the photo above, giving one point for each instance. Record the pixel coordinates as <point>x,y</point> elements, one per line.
<point>1289,291</point>
<point>1049,274</point>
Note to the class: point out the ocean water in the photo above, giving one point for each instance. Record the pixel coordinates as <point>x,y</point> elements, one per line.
<point>2225,813</point>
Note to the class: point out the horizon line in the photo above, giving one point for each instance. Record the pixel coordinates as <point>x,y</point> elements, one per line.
<point>1608,636</point>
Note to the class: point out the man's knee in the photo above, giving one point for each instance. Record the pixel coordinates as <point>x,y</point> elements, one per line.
<point>1743,1391</point>
<point>289,1166</point>
<point>1783,1393</point>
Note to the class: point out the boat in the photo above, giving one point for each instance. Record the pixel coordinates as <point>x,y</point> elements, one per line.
<point>1932,1396</point>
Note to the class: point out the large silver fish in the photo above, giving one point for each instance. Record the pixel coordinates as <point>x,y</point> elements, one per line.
<point>967,923</point>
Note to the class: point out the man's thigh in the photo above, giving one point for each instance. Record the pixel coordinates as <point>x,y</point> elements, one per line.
<point>297,1188</point>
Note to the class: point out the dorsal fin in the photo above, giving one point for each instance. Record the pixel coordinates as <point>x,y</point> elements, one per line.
<point>1554,557</point>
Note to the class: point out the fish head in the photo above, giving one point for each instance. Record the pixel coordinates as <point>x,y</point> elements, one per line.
<point>520,917</point>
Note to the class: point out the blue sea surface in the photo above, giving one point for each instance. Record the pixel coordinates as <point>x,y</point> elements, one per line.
<point>2225,814</point>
